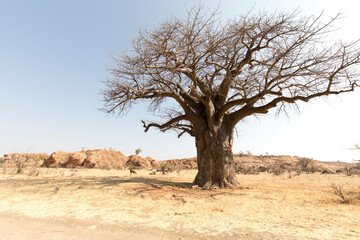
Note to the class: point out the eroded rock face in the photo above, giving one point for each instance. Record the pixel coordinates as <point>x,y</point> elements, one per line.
<point>75,159</point>
<point>99,158</point>
<point>58,158</point>
<point>107,159</point>
<point>140,162</point>
<point>186,163</point>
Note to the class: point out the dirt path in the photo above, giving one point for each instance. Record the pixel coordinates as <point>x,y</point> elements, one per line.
<point>15,227</point>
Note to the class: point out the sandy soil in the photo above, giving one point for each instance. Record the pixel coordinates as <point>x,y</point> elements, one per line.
<point>81,203</point>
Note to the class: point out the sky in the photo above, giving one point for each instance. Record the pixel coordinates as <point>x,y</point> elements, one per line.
<point>54,57</point>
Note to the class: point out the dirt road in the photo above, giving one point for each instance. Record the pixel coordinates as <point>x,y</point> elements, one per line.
<point>15,227</point>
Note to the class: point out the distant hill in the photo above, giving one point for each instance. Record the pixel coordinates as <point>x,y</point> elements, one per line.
<point>112,159</point>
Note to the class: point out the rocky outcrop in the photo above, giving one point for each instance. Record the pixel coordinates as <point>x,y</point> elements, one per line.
<point>98,158</point>
<point>140,162</point>
<point>186,163</point>
<point>57,159</point>
<point>75,159</point>
<point>106,159</point>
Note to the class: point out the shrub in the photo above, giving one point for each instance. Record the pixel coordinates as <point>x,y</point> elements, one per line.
<point>277,170</point>
<point>19,166</point>
<point>240,168</point>
<point>348,171</point>
<point>304,163</point>
<point>338,191</point>
<point>166,167</point>
<point>263,169</point>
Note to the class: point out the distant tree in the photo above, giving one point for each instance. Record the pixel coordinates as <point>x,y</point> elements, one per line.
<point>138,151</point>
<point>219,74</point>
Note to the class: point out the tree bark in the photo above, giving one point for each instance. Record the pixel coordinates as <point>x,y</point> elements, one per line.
<point>216,167</point>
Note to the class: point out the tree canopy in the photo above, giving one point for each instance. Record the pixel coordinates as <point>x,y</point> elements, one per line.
<point>233,70</point>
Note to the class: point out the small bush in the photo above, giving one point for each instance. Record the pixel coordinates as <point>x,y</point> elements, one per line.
<point>19,166</point>
<point>339,171</point>
<point>338,191</point>
<point>263,169</point>
<point>349,171</point>
<point>240,168</point>
<point>277,170</point>
<point>304,163</point>
<point>166,167</point>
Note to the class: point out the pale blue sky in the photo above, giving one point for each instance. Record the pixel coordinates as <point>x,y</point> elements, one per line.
<point>53,57</point>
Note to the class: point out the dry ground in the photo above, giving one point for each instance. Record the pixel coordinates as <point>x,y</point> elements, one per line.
<point>93,201</point>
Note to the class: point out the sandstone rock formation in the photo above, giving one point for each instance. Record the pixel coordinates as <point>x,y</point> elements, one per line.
<point>58,158</point>
<point>98,158</point>
<point>75,159</point>
<point>186,163</point>
<point>106,159</point>
<point>140,162</point>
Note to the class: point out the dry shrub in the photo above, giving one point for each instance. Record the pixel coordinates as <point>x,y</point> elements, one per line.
<point>338,191</point>
<point>349,171</point>
<point>19,167</point>
<point>263,169</point>
<point>304,163</point>
<point>251,170</point>
<point>166,167</point>
<point>277,170</point>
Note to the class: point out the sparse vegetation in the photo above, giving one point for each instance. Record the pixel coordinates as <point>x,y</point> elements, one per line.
<point>19,166</point>
<point>277,169</point>
<point>138,151</point>
<point>165,168</point>
<point>338,191</point>
<point>348,171</point>
<point>308,199</point>
<point>252,170</point>
<point>304,164</point>
<point>132,171</point>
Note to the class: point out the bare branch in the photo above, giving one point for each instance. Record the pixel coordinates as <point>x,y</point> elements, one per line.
<point>216,71</point>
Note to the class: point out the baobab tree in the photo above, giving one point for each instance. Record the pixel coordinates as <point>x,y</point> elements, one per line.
<point>216,74</point>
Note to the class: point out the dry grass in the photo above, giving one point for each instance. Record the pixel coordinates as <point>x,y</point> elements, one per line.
<point>274,207</point>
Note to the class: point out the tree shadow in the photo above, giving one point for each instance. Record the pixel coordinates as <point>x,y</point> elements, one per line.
<point>101,182</point>
<point>152,182</point>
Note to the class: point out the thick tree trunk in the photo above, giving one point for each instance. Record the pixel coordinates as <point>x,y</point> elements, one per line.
<point>216,167</point>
